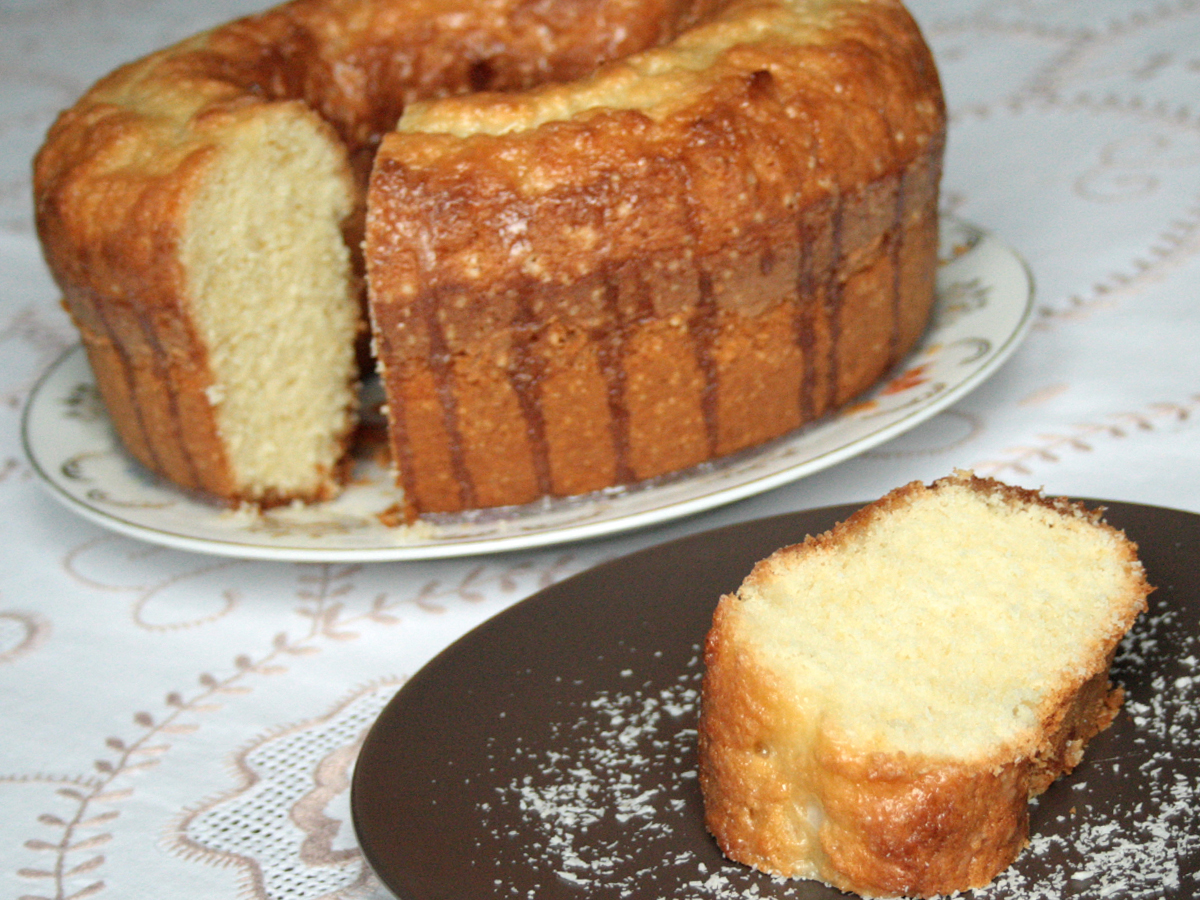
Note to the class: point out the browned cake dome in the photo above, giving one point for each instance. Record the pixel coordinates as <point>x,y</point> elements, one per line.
<point>606,241</point>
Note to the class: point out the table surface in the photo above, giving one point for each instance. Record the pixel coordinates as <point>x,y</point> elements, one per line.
<point>154,703</point>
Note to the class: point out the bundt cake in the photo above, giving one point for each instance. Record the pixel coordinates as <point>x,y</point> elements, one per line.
<point>881,701</point>
<point>600,242</point>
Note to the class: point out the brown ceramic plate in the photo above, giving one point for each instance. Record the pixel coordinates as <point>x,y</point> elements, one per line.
<point>550,752</point>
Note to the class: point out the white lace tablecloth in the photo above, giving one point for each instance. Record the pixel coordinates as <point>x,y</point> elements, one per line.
<point>180,725</point>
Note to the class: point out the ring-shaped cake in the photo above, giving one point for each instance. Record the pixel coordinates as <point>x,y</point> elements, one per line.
<point>592,243</point>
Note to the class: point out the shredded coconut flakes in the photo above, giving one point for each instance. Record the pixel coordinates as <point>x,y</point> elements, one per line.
<point>628,757</point>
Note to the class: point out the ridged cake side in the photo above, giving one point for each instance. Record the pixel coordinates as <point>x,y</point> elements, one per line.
<point>697,249</point>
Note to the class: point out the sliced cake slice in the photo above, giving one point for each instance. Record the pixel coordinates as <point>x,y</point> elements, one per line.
<point>881,701</point>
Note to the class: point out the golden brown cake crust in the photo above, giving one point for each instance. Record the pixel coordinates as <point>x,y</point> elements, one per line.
<point>575,302</point>
<point>888,824</point>
<point>712,269</point>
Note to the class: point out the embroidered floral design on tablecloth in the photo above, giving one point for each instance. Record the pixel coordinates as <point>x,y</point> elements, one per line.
<point>1178,243</point>
<point>1083,437</point>
<point>68,856</point>
<point>1125,167</point>
<point>20,633</point>
<point>288,807</point>
<point>1101,45</point>
<point>107,548</point>
<point>1125,163</point>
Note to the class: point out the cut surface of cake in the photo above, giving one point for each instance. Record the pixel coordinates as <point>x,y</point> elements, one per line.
<point>881,701</point>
